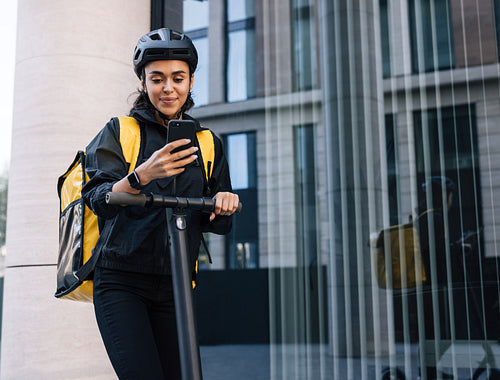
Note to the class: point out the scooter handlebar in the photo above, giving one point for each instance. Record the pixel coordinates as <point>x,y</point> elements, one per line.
<point>126,199</point>
<point>154,200</point>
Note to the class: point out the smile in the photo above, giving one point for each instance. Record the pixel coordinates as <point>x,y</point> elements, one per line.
<point>168,100</point>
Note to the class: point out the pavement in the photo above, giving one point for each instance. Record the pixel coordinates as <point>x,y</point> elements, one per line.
<point>315,362</point>
<point>230,362</point>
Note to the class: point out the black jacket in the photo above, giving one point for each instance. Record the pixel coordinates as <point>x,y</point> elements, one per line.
<point>134,238</point>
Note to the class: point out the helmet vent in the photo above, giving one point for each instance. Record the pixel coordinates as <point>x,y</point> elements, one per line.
<point>156,53</point>
<point>175,36</point>
<point>180,52</point>
<point>155,36</point>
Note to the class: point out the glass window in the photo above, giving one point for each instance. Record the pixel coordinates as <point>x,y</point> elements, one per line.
<point>391,135</point>
<point>195,21</point>
<point>446,145</point>
<point>431,35</point>
<point>240,10</point>
<point>200,91</point>
<point>305,75</point>
<point>305,183</point>
<point>195,14</point>
<point>497,24</point>
<point>240,74</point>
<point>384,38</point>
<point>242,243</point>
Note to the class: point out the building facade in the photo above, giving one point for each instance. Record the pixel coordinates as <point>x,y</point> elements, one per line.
<point>337,117</point>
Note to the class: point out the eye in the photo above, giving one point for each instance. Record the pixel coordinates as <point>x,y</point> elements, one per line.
<point>178,80</point>
<point>156,80</point>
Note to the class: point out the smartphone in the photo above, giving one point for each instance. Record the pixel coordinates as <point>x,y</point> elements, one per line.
<point>181,129</point>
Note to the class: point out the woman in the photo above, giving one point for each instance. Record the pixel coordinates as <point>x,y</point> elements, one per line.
<point>133,295</point>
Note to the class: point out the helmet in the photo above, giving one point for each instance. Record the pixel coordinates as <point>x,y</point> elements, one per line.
<point>436,183</point>
<point>163,44</point>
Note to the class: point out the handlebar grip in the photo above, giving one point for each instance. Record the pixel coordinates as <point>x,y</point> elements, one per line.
<point>126,199</point>
<point>152,200</point>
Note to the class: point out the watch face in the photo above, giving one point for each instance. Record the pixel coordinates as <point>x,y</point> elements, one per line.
<point>133,180</point>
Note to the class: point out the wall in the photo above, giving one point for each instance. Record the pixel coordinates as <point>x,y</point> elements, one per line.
<point>73,73</point>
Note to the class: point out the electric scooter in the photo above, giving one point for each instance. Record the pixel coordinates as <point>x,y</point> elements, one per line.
<point>181,275</point>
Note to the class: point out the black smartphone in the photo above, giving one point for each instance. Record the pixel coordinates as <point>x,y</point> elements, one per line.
<point>181,129</point>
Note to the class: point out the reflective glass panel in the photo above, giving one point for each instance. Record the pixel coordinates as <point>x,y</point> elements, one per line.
<point>195,14</point>
<point>241,65</point>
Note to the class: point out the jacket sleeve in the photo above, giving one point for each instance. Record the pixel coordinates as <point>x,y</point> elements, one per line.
<point>105,165</point>
<point>219,182</point>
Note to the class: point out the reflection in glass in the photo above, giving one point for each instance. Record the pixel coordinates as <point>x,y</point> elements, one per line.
<point>240,65</point>
<point>304,45</point>
<point>240,10</point>
<point>400,177</point>
<point>200,87</point>
<point>195,23</point>
<point>241,84</point>
<point>431,35</point>
<point>195,14</point>
<point>242,248</point>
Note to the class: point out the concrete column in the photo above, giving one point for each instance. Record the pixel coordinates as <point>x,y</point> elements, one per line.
<point>355,149</point>
<point>73,73</point>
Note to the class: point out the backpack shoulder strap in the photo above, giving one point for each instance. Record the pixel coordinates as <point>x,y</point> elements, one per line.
<point>207,148</point>
<point>130,140</point>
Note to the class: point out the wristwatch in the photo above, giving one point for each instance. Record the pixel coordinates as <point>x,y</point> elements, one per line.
<point>133,180</point>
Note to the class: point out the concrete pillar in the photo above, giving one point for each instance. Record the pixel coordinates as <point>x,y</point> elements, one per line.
<point>73,73</point>
<point>355,148</point>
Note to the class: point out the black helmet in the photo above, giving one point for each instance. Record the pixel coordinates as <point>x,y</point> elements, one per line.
<point>436,183</point>
<point>163,44</point>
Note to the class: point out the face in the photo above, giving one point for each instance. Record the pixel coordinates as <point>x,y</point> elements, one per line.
<point>167,84</point>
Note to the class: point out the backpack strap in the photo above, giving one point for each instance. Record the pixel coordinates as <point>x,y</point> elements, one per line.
<point>207,148</point>
<point>206,143</point>
<point>130,140</point>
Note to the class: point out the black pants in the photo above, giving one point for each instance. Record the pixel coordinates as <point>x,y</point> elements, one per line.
<point>136,317</point>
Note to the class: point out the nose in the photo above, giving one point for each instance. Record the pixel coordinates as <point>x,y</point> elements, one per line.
<point>168,86</point>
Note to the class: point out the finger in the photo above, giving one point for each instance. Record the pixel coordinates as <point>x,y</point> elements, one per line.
<point>212,216</point>
<point>226,206</point>
<point>175,171</point>
<point>233,202</point>
<point>184,153</point>
<point>218,205</point>
<point>175,144</point>
<point>185,161</point>
<point>236,202</point>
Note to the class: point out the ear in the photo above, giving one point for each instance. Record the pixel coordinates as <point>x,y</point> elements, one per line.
<point>143,85</point>
<point>191,82</point>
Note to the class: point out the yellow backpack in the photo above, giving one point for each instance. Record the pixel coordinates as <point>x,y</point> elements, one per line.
<point>78,227</point>
<point>396,253</point>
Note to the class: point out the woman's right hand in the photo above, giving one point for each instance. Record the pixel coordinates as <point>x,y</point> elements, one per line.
<point>163,163</point>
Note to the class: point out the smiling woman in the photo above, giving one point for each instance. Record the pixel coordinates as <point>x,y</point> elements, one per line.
<point>133,289</point>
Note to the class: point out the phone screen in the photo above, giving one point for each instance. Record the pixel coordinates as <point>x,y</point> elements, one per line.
<point>181,129</point>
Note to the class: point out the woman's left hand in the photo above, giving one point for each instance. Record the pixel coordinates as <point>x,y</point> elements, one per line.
<point>225,204</point>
